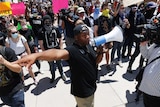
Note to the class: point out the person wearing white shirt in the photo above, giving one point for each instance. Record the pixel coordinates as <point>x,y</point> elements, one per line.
<point>150,84</point>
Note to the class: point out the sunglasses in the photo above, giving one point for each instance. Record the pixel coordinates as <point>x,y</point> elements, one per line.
<point>14,32</point>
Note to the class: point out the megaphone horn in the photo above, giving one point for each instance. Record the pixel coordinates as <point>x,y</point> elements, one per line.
<point>115,35</point>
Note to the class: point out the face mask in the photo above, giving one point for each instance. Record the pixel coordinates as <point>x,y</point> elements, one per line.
<point>15,35</point>
<point>24,27</point>
<point>35,14</point>
<point>122,15</point>
<point>48,26</point>
<point>96,10</point>
<point>106,13</point>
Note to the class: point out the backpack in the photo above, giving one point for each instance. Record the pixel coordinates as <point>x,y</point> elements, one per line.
<point>5,75</point>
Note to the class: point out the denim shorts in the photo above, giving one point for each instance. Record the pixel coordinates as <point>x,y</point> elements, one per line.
<point>14,100</point>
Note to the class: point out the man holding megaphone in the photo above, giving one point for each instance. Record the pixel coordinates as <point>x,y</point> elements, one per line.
<point>82,60</point>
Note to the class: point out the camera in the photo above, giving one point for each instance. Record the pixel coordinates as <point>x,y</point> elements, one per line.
<point>151,31</point>
<point>64,14</point>
<point>67,15</point>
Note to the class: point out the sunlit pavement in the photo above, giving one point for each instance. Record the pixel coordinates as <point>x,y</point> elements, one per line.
<point>114,89</point>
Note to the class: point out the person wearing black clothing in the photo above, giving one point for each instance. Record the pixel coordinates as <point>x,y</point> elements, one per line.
<point>11,85</point>
<point>129,33</point>
<point>120,19</point>
<point>83,62</point>
<point>3,26</point>
<point>68,24</point>
<point>49,37</point>
<point>140,19</point>
<point>36,23</point>
<point>50,13</point>
<point>30,36</point>
<point>103,25</point>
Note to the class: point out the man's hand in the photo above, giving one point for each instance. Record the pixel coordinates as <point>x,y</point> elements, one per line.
<point>27,61</point>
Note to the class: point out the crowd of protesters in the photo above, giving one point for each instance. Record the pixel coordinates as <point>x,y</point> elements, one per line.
<point>100,18</point>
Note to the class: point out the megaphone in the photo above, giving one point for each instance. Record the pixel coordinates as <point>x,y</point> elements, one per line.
<point>115,35</point>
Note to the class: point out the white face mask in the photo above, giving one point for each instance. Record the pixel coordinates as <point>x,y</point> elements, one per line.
<point>15,35</point>
<point>24,27</point>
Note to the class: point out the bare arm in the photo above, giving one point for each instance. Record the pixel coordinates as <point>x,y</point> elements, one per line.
<point>27,48</point>
<point>63,25</point>
<point>95,30</point>
<point>12,66</point>
<point>48,55</point>
<point>53,54</point>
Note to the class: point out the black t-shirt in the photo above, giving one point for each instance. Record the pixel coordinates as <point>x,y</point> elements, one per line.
<point>82,62</point>
<point>69,29</point>
<point>87,22</point>
<point>16,79</point>
<point>36,25</point>
<point>28,34</point>
<point>104,25</point>
<point>49,38</point>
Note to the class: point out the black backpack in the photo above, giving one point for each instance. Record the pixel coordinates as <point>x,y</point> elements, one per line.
<point>5,74</point>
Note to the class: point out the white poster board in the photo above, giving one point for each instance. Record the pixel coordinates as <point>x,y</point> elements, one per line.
<point>130,2</point>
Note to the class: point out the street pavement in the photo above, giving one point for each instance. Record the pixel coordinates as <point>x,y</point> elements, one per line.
<point>115,88</point>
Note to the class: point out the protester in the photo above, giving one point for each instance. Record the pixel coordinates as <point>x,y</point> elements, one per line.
<point>11,85</point>
<point>82,15</point>
<point>35,20</point>
<point>82,61</point>
<point>67,25</point>
<point>19,44</point>
<point>120,19</point>
<point>3,25</point>
<point>129,33</point>
<point>30,36</point>
<point>49,37</point>
<point>150,82</point>
<point>103,25</point>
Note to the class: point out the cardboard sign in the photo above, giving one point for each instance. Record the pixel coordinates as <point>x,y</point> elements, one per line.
<point>5,8</point>
<point>18,8</point>
<point>130,2</point>
<point>58,5</point>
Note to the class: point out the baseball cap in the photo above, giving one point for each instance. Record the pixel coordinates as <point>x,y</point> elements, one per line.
<point>80,10</point>
<point>151,4</point>
<point>46,17</point>
<point>80,28</point>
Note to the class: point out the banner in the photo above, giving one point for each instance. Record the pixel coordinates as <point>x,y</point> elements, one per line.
<point>58,5</point>
<point>130,2</point>
<point>18,8</point>
<point>5,8</point>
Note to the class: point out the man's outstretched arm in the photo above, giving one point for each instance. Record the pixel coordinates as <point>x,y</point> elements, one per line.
<point>48,55</point>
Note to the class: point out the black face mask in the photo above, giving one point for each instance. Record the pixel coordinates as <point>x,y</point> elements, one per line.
<point>48,26</point>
